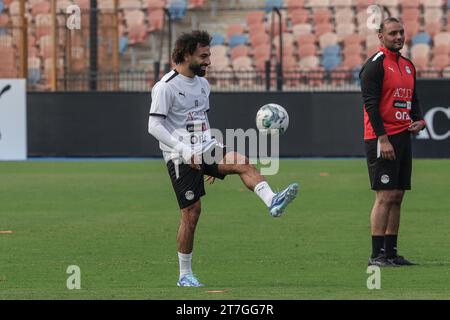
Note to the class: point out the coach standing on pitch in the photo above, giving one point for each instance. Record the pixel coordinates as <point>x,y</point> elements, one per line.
<point>391,113</point>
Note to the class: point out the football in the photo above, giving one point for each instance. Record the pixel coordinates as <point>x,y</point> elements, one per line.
<point>272,119</point>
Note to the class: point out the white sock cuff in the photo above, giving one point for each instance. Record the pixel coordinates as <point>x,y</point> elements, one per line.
<point>185,256</point>
<point>259,185</point>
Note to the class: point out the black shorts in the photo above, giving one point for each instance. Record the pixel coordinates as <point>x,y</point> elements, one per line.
<point>189,186</point>
<point>390,174</point>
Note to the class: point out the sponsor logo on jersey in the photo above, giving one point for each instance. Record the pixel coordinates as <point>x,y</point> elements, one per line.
<point>189,195</point>
<point>403,93</point>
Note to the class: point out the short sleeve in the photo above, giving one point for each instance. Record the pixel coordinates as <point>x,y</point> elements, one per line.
<point>162,99</point>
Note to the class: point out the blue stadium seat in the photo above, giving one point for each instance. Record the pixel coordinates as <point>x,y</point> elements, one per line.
<point>3,31</point>
<point>123,43</point>
<point>217,39</point>
<point>333,50</point>
<point>237,40</point>
<point>177,9</point>
<point>448,4</point>
<point>270,4</point>
<point>34,76</point>
<point>331,62</point>
<point>421,37</point>
<point>2,6</point>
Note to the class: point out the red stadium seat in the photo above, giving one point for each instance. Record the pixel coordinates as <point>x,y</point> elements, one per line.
<point>255,17</point>
<point>298,16</point>
<point>440,61</point>
<point>239,51</point>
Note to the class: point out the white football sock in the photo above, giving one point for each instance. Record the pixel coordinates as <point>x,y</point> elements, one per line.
<point>185,263</point>
<point>264,191</point>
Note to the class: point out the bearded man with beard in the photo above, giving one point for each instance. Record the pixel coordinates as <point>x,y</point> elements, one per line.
<point>179,121</point>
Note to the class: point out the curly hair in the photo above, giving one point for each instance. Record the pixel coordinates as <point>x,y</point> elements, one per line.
<point>187,44</point>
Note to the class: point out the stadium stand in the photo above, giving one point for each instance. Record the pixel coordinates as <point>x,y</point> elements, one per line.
<point>321,35</point>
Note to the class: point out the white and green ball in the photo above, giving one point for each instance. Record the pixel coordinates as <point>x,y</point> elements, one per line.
<point>272,119</point>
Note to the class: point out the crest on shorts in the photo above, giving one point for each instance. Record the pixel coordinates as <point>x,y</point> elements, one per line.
<point>408,70</point>
<point>385,179</point>
<point>189,195</point>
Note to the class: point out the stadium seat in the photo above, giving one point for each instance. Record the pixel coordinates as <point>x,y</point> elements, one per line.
<point>130,5</point>
<point>294,4</point>
<point>136,34</point>
<point>411,28</point>
<point>219,51</point>
<point>196,3</point>
<point>421,37</point>
<point>410,3</point>
<point>155,4</point>
<point>420,50</point>
<point>134,17</point>
<point>442,38</point>
<point>239,51</point>
<point>432,3</point>
<point>307,50</point>
<point>440,61</point>
<point>351,39</point>
<point>441,49</point>
<point>322,28</point>
<point>332,50</point>
<point>241,63</point>
<point>219,62</point>
<point>321,15</point>
<point>298,16</point>
<point>309,62</point>
<point>372,39</point>
<point>433,28</point>
<point>344,29</point>
<point>255,17</point>
<point>352,49</point>
<point>341,3</point>
<point>234,29</point>
<point>270,4</point>
<point>259,39</point>
<point>328,39</point>
<point>261,52</point>
<point>217,39</point>
<point>14,8</point>
<point>40,7</point>
<point>344,15</point>
<point>83,4</point>
<point>156,20</point>
<point>352,61</point>
<point>411,14</point>
<point>433,14</point>
<point>300,29</point>
<point>331,62</point>
<point>306,39</point>
<point>318,3</point>
<point>105,5</point>
<point>420,63</point>
<point>177,9</point>
<point>237,39</point>
<point>2,6</point>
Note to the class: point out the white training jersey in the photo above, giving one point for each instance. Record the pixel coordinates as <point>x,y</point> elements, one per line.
<point>183,101</point>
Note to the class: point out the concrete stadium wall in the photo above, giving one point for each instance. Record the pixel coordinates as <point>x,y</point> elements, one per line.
<point>321,124</point>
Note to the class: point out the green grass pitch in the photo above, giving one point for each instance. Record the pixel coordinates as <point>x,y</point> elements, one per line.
<point>117,221</point>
